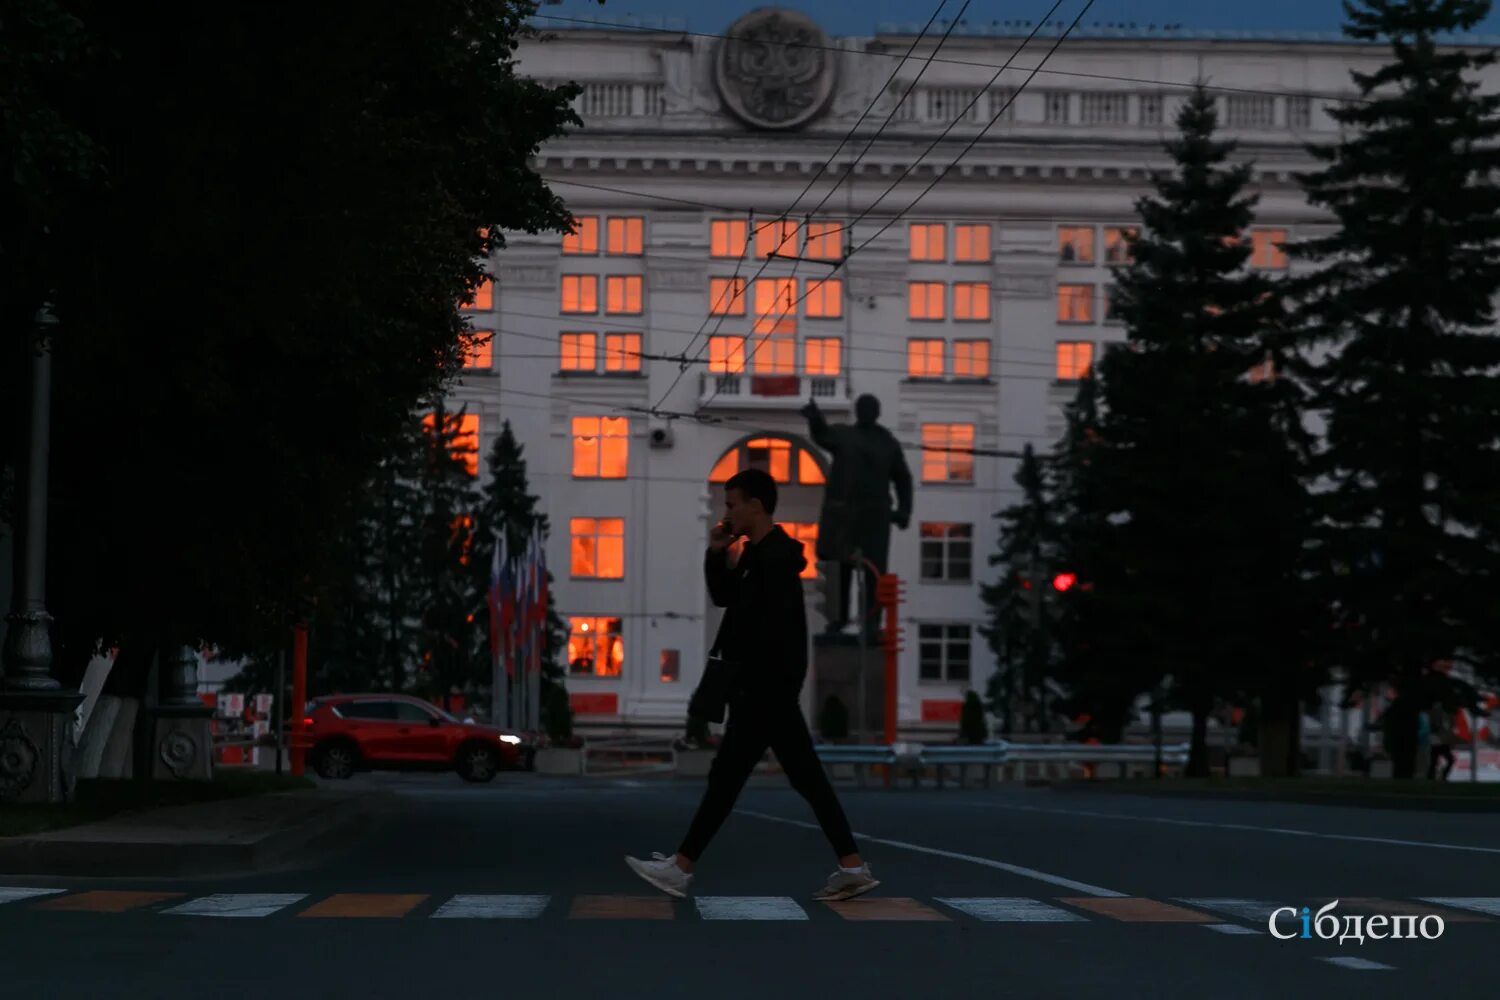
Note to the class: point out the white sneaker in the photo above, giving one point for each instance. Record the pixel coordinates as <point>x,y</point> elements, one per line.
<point>847,885</point>
<point>662,872</point>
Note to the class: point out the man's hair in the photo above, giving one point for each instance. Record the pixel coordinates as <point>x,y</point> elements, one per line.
<point>755,484</point>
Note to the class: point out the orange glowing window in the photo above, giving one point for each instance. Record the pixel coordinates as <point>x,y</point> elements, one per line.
<point>924,358</point>
<point>825,298</point>
<point>623,294</point>
<point>774,354</point>
<point>822,355</point>
<point>971,300</point>
<point>971,358</point>
<point>825,241</point>
<point>596,646</point>
<point>1075,244</point>
<point>772,454</point>
<point>947,453</point>
<point>601,447</point>
<point>1074,358</point>
<point>1263,372</point>
<point>580,293</point>
<point>726,296</point>
<point>807,534</point>
<point>1075,303</point>
<point>598,547</point>
<point>726,355</point>
<point>926,241</point>
<point>971,242</point>
<point>484,297</point>
<point>478,348</point>
<point>580,352</point>
<point>924,299</point>
<point>775,305</point>
<point>622,352</point>
<point>727,237</point>
<point>779,236</point>
<point>625,236</point>
<point>1267,248</point>
<point>584,238</point>
<point>725,468</point>
<point>463,441</point>
<point>1117,243</point>
<point>809,473</point>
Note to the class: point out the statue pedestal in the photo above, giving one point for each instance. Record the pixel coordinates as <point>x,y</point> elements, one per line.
<point>182,743</point>
<point>836,668</point>
<point>36,745</point>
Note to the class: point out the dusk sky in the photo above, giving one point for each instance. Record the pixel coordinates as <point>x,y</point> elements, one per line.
<point>844,17</point>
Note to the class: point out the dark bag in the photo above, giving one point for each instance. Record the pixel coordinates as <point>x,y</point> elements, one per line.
<point>712,695</point>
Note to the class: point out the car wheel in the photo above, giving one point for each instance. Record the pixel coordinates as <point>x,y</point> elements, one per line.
<point>336,761</point>
<point>477,762</point>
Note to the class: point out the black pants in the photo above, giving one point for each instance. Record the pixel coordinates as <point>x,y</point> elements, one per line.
<point>751,729</point>
<point>1439,750</point>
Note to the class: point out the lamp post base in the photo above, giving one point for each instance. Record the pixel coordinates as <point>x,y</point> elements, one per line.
<point>182,743</point>
<point>37,746</point>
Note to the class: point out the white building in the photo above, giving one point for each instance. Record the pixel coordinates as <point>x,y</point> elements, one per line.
<point>969,317</point>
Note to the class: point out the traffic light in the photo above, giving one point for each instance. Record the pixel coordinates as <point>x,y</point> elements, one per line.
<point>1063,582</point>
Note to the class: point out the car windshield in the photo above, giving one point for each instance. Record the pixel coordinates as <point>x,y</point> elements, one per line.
<point>446,717</point>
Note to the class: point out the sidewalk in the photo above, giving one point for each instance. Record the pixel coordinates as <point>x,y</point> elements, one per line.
<point>223,836</point>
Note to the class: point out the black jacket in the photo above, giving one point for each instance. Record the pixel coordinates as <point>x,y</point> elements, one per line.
<point>764,629</point>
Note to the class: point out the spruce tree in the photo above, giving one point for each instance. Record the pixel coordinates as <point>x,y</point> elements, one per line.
<point>1397,322</point>
<point>1202,495</point>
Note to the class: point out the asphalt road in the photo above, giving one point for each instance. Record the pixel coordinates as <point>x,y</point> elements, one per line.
<point>519,887</point>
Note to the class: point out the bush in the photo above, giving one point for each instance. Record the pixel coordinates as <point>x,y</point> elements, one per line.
<point>833,720</point>
<point>971,725</point>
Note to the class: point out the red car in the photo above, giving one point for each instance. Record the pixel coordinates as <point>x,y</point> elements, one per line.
<point>393,732</point>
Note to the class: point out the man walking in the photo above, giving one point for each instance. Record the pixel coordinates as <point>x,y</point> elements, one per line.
<point>763,639</point>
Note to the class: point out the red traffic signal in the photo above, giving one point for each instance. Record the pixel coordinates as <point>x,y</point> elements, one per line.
<point>1064,581</point>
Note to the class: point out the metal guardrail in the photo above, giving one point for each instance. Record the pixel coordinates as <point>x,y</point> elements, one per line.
<point>917,757</point>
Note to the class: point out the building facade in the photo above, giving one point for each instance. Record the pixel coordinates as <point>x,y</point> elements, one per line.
<point>746,243</point>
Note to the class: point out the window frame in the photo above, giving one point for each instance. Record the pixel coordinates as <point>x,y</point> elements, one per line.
<point>589,281</point>
<point>633,235</point>
<point>628,281</point>
<point>630,357</point>
<point>605,428</point>
<point>1063,242</point>
<point>973,343</point>
<point>824,343</point>
<point>921,346</point>
<point>817,292</point>
<point>973,289</point>
<point>927,287</point>
<point>1083,371</point>
<point>948,457</point>
<point>589,230</point>
<point>944,640</point>
<point>605,635</point>
<point>964,228</point>
<point>562,355</point>
<point>927,229</point>
<point>728,228</point>
<point>597,535</point>
<point>1087,297</point>
<point>946,543</point>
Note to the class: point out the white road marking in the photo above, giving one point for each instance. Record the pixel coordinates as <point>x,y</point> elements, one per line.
<point>1031,873</point>
<point>237,904</point>
<point>1396,842</point>
<point>494,907</point>
<point>1479,904</point>
<point>12,894</point>
<point>1231,928</point>
<point>1011,909</point>
<point>1256,911</point>
<point>749,908</point>
<point>1355,963</point>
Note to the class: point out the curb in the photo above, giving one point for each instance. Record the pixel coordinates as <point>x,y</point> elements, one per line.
<point>1355,800</point>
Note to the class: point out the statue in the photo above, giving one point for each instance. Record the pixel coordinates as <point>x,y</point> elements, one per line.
<point>857,515</point>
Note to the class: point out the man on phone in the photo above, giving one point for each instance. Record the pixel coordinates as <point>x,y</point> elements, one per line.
<point>763,637</point>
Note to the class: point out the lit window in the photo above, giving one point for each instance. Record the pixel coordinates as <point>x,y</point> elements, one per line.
<point>971,242</point>
<point>924,299</point>
<point>1263,372</point>
<point>947,453</point>
<point>825,298</point>
<point>585,236</point>
<point>625,236</point>
<point>824,241</point>
<point>725,468</point>
<point>1074,358</point>
<point>726,238</point>
<point>463,440</point>
<point>580,293</point>
<point>774,455</point>
<point>599,547</point>
<point>807,534</point>
<point>671,664</point>
<point>1075,303</point>
<point>484,297</point>
<point>579,352</point>
<point>774,354</point>
<point>926,241</point>
<point>478,348</point>
<point>601,447</point>
<point>971,300</point>
<point>779,236</point>
<point>809,473</point>
<point>775,305</point>
<point>622,352</point>
<point>623,294</point>
<point>924,358</point>
<point>944,652</point>
<point>1075,244</point>
<point>971,358</point>
<point>1117,243</point>
<point>822,355</point>
<point>596,646</point>
<point>726,355</point>
<point>947,551</point>
<point>1267,248</point>
<point>726,296</point>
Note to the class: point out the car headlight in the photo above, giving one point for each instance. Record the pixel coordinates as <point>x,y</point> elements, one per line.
<point>508,738</point>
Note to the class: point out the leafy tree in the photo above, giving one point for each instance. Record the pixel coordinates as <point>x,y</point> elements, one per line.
<point>1398,322</point>
<point>972,727</point>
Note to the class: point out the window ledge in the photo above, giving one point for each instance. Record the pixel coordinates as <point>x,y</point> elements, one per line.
<point>963,484</point>
<point>944,582</point>
<point>567,374</point>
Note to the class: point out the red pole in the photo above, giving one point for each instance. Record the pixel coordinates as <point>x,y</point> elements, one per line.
<point>299,696</point>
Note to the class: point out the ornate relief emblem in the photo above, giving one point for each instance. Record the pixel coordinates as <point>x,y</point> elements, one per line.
<point>18,760</point>
<point>774,69</point>
<point>177,751</point>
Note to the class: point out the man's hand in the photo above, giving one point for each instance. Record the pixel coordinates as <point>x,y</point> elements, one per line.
<point>720,536</point>
<point>900,520</point>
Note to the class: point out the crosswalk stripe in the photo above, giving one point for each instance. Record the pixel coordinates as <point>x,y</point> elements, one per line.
<point>11,894</point>
<point>1349,962</point>
<point>494,907</point>
<point>1137,909</point>
<point>621,908</point>
<point>1231,928</point>
<point>1479,904</point>
<point>1011,909</point>
<point>884,908</point>
<point>365,904</point>
<point>1256,911</point>
<point>106,901</point>
<point>237,904</point>
<point>749,908</point>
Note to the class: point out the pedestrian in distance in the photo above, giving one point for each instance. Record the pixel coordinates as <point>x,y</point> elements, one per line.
<point>1440,728</point>
<point>761,649</point>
